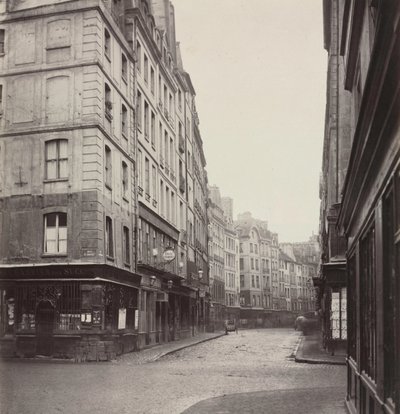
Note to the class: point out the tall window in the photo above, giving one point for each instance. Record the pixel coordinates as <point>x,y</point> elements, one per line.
<point>153,129</point>
<point>108,166</point>
<point>56,159</point>
<point>55,233</point>
<point>162,206</point>
<point>154,182</point>
<point>140,169</point>
<point>147,176</point>
<point>252,281</point>
<point>139,110</point>
<point>107,102</point>
<point>107,43</point>
<point>126,245</point>
<point>125,179</point>
<point>146,68</point>
<point>146,120</point>
<point>152,80</point>
<point>138,56</point>
<point>2,41</point>
<point>124,67</point>
<point>180,99</point>
<point>109,238</point>
<point>124,120</point>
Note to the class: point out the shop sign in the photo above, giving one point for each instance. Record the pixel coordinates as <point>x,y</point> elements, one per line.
<point>168,255</point>
<point>136,318</point>
<point>122,318</point>
<point>96,317</point>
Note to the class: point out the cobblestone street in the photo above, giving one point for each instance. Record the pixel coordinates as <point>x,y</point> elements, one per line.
<point>250,361</point>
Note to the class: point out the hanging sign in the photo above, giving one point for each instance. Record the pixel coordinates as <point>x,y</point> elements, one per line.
<point>168,255</point>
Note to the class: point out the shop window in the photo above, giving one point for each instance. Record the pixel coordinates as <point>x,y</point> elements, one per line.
<point>8,314</point>
<point>368,304</point>
<point>56,159</point>
<point>109,238</point>
<point>55,233</point>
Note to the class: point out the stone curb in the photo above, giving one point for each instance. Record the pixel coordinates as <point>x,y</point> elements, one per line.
<point>310,360</point>
<point>179,348</point>
<point>72,361</point>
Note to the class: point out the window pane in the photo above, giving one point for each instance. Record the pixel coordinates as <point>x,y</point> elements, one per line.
<point>51,150</point>
<point>51,246</point>
<point>51,171</point>
<point>63,148</point>
<point>63,165</point>
<point>51,220</point>
<point>62,219</point>
<point>62,233</point>
<point>62,246</point>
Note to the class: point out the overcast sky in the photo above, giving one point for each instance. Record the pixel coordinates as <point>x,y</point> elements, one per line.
<point>259,70</point>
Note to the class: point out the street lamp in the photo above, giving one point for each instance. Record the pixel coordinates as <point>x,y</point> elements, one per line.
<point>152,280</point>
<point>200,274</point>
<point>169,284</point>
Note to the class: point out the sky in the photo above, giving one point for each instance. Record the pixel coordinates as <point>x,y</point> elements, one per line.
<point>259,70</point>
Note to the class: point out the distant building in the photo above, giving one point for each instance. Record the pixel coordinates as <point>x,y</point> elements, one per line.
<point>232,257</point>
<point>216,254</point>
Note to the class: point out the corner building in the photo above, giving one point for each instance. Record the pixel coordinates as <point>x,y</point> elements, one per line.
<point>67,147</point>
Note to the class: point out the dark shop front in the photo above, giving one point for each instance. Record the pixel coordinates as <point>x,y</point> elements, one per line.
<point>76,311</point>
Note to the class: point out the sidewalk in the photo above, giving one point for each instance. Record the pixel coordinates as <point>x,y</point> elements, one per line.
<point>328,400</point>
<point>152,354</point>
<point>310,351</point>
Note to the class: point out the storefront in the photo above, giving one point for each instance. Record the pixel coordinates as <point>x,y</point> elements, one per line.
<point>333,305</point>
<point>77,311</point>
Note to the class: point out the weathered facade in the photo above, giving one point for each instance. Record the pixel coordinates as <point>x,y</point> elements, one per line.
<point>100,250</point>
<point>68,286</point>
<point>364,36</point>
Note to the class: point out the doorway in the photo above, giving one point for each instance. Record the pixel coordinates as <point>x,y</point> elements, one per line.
<point>44,328</point>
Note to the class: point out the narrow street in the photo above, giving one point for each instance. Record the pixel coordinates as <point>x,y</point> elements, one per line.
<point>248,362</point>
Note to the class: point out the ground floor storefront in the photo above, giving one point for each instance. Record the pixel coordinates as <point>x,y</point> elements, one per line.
<point>90,315</point>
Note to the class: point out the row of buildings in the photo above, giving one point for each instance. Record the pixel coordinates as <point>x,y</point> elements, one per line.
<point>111,239</point>
<point>359,284</point>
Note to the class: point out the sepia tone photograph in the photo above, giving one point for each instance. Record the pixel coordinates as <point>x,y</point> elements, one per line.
<point>200,206</point>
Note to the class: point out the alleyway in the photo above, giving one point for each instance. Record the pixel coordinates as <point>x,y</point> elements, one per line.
<point>251,361</point>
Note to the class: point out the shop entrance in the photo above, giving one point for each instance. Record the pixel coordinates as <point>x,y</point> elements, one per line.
<point>44,328</point>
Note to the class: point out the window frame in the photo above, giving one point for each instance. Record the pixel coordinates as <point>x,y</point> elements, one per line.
<point>58,159</point>
<point>57,240</point>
